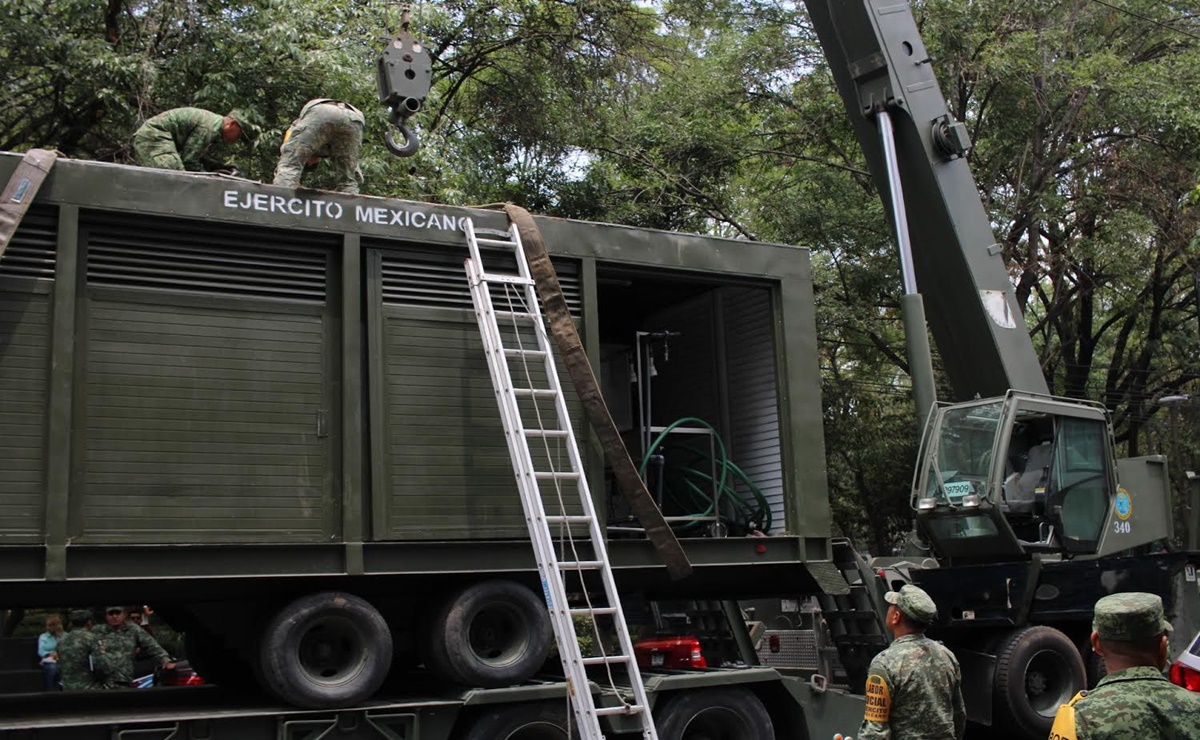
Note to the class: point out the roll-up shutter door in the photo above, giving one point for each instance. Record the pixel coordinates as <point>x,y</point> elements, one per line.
<point>209,363</point>
<point>26,282</point>
<point>446,469</point>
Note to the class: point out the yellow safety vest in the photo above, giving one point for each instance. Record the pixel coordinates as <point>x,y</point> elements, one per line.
<point>1064,720</point>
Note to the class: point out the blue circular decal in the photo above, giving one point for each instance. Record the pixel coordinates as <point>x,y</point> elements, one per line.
<point>1122,504</point>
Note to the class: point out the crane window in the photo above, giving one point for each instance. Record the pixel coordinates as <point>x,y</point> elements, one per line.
<point>1079,482</point>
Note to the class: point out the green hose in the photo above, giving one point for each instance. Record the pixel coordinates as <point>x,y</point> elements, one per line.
<point>691,488</point>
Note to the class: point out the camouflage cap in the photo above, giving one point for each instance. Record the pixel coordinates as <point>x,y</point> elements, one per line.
<point>1130,616</point>
<point>80,615</point>
<point>245,119</point>
<point>914,602</point>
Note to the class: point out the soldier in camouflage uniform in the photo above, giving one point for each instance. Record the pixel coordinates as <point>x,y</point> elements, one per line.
<point>180,139</point>
<point>116,641</point>
<point>914,686</point>
<point>325,128</point>
<point>76,651</point>
<point>1134,700</point>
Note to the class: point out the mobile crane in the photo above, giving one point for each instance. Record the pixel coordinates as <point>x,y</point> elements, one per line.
<point>1018,496</point>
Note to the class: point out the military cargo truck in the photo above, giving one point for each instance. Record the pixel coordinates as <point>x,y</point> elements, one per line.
<point>267,413</point>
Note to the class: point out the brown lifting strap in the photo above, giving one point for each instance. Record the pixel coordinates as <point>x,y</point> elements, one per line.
<point>574,356</point>
<point>20,191</point>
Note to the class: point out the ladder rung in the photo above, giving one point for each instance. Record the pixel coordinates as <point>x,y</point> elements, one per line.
<point>569,519</point>
<point>535,393</point>
<point>584,611</point>
<point>551,433</point>
<point>568,475</point>
<point>488,241</point>
<point>581,565</point>
<point>606,660</point>
<point>525,352</point>
<point>627,709</point>
<point>491,277</point>
<point>517,315</point>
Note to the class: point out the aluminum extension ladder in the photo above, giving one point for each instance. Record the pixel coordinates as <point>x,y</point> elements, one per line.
<point>522,340</point>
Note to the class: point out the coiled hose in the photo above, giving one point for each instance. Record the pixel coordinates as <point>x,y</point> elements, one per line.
<point>692,487</point>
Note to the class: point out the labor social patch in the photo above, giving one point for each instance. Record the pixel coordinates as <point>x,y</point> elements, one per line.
<point>879,699</point>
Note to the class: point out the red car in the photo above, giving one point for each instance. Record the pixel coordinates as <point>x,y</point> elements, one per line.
<point>1185,671</point>
<point>670,652</point>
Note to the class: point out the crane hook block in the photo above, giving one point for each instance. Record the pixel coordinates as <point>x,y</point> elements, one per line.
<point>405,74</point>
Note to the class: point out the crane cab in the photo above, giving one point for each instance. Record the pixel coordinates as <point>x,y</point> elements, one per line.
<point>1002,478</point>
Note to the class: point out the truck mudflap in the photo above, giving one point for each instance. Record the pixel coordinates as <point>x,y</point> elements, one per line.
<point>978,681</point>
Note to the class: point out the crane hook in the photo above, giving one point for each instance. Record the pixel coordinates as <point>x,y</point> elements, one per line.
<point>410,141</point>
<point>405,73</point>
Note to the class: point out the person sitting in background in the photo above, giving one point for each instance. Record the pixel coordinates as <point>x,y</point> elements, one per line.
<point>47,648</point>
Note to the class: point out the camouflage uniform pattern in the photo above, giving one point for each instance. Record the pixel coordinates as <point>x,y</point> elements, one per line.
<point>178,139</point>
<point>1137,703</point>
<point>1129,616</point>
<point>76,650</point>
<point>113,661</point>
<point>923,689</point>
<point>328,129</point>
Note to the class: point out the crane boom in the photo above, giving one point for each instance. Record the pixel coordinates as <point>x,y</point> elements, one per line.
<point>880,65</point>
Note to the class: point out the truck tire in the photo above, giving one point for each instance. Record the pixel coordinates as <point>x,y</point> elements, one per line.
<point>535,721</point>
<point>325,650</point>
<point>733,713</point>
<point>489,634</point>
<point>1037,670</point>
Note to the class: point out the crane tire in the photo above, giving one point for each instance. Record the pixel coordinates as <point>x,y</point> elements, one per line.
<point>489,634</point>
<point>535,721</point>
<point>325,650</point>
<point>730,713</point>
<point>1038,669</point>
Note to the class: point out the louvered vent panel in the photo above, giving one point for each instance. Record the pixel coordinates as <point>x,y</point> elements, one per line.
<point>437,279</point>
<point>204,258</point>
<point>31,252</point>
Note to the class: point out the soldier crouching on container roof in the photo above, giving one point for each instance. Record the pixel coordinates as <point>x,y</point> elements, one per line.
<point>116,641</point>
<point>180,139</point>
<point>76,654</point>
<point>325,128</point>
<point>1134,699</point>
<point>914,687</point>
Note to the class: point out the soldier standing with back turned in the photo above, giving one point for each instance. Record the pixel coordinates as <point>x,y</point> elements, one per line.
<point>76,652</point>
<point>1134,700</point>
<point>914,686</point>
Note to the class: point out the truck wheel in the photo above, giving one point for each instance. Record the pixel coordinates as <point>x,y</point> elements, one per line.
<point>727,713</point>
<point>325,650</point>
<point>1038,670</point>
<point>490,634</point>
<point>538,721</point>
